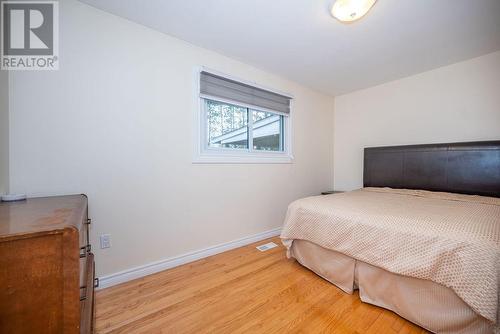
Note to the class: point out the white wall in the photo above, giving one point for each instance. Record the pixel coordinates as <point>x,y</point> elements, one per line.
<point>116,121</point>
<point>460,102</point>
<point>4,132</point>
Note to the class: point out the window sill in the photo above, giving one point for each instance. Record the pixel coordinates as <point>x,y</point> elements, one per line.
<point>242,159</point>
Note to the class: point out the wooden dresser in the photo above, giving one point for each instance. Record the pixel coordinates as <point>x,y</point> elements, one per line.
<point>46,266</point>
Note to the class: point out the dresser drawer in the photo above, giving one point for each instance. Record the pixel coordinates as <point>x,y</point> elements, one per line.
<point>87,297</point>
<point>84,232</point>
<point>85,249</point>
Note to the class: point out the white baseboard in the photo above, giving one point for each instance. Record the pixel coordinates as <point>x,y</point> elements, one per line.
<point>154,267</point>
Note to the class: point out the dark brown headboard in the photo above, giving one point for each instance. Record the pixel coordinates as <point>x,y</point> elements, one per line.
<point>468,168</point>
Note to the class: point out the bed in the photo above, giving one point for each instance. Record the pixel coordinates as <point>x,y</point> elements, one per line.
<point>421,238</point>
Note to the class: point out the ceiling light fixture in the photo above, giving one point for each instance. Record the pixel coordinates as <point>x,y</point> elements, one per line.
<point>351,10</point>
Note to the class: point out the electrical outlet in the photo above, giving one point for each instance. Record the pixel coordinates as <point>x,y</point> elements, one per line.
<point>105,241</point>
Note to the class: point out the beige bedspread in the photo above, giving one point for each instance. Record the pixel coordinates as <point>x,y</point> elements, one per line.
<point>447,238</point>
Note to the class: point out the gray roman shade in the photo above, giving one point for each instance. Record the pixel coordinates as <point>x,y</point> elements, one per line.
<point>215,86</point>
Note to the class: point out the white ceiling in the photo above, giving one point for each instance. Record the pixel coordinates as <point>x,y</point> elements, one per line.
<point>299,40</point>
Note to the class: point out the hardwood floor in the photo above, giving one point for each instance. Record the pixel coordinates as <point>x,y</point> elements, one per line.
<point>240,291</point>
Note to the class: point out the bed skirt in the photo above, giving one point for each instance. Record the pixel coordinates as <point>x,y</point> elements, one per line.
<point>425,303</point>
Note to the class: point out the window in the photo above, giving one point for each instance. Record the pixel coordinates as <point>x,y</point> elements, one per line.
<point>227,125</point>
<point>241,123</point>
<point>235,127</point>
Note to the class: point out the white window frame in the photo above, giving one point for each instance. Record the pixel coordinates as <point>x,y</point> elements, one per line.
<point>215,155</point>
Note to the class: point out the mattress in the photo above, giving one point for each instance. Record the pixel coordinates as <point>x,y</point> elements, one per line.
<point>452,240</point>
<point>425,303</point>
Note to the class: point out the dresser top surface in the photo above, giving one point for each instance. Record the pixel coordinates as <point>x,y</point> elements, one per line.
<point>41,214</point>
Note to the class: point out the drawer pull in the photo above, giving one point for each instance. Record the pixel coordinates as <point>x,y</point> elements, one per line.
<point>84,250</point>
<point>84,254</point>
